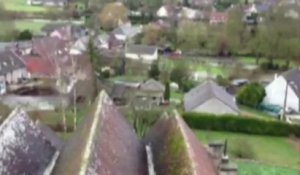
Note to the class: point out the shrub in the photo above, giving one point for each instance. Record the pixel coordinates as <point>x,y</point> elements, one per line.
<point>167,91</point>
<point>240,124</point>
<point>251,95</point>
<point>154,71</point>
<point>243,149</point>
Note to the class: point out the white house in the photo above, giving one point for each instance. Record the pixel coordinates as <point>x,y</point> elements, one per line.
<point>143,53</point>
<point>210,98</point>
<point>284,86</point>
<point>190,13</point>
<point>163,12</point>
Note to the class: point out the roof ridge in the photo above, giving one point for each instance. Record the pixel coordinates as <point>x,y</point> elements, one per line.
<point>91,136</point>
<point>189,151</point>
<point>10,117</point>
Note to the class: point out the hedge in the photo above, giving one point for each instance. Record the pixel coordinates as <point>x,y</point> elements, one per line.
<point>240,124</point>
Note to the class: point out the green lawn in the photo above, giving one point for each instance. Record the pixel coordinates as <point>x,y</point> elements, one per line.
<point>271,150</point>
<point>21,6</point>
<point>176,96</point>
<point>247,168</point>
<point>20,25</point>
<point>212,70</point>
<point>250,112</point>
<point>247,60</point>
<point>252,61</point>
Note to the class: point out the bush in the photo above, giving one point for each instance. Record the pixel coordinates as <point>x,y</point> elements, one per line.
<point>167,91</point>
<point>269,66</point>
<point>251,95</point>
<point>243,149</point>
<point>24,35</point>
<point>240,124</point>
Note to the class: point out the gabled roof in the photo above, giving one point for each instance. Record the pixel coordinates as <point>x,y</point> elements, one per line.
<point>9,61</point>
<point>176,150</point>
<point>152,85</point>
<point>27,147</point>
<point>293,78</point>
<point>118,91</point>
<point>128,30</point>
<point>104,144</point>
<point>206,91</point>
<point>141,49</point>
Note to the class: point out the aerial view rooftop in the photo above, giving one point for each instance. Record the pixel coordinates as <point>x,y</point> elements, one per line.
<point>150,87</point>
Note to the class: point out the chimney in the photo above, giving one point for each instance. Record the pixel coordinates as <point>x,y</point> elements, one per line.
<point>216,150</point>
<point>226,167</point>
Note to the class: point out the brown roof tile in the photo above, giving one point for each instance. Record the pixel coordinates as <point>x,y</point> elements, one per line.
<point>176,149</point>
<point>105,144</point>
<point>26,147</point>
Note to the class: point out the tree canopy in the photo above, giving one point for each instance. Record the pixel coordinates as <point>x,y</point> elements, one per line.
<point>112,15</point>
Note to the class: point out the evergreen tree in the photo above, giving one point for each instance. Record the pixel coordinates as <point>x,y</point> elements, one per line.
<point>154,71</point>
<point>167,91</point>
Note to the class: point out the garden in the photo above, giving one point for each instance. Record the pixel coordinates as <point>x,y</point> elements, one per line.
<point>269,155</point>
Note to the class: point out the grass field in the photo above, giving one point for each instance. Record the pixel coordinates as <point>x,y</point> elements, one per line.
<point>252,61</point>
<point>176,96</point>
<point>21,6</point>
<point>247,168</point>
<point>211,70</point>
<point>246,111</point>
<point>20,25</point>
<point>271,150</point>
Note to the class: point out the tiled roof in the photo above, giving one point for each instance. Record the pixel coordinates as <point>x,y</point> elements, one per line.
<point>105,144</point>
<point>293,79</point>
<point>26,147</point>
<point>9,61</point>
<point>176,150</point>
<point>206,91</point>
<point>152,85</point>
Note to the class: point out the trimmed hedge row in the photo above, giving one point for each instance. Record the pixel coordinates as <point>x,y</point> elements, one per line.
<point>240,124</point>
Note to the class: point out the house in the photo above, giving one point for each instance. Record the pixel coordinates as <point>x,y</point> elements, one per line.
<point>193,158</point>
<point>80,46</point>
<point>210,98</point>
<point>168,11</point>
<point>286,86</point>
<point>143,53</point>
<point>12,67</point>
<point>189,13</point>
<point>126,31</point>
<point>27,147</point>
<point>119,94</point>
<point>49,3</point>
<point>218,17</point>
<point>151,91</point>
<point>102,41</point>
<point>105,143</point>
<point>69,32</point>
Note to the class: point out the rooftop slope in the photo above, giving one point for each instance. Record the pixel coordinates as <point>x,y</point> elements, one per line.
<point>176,149</point>
<point>105,144</point>
<point>26,147</point>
